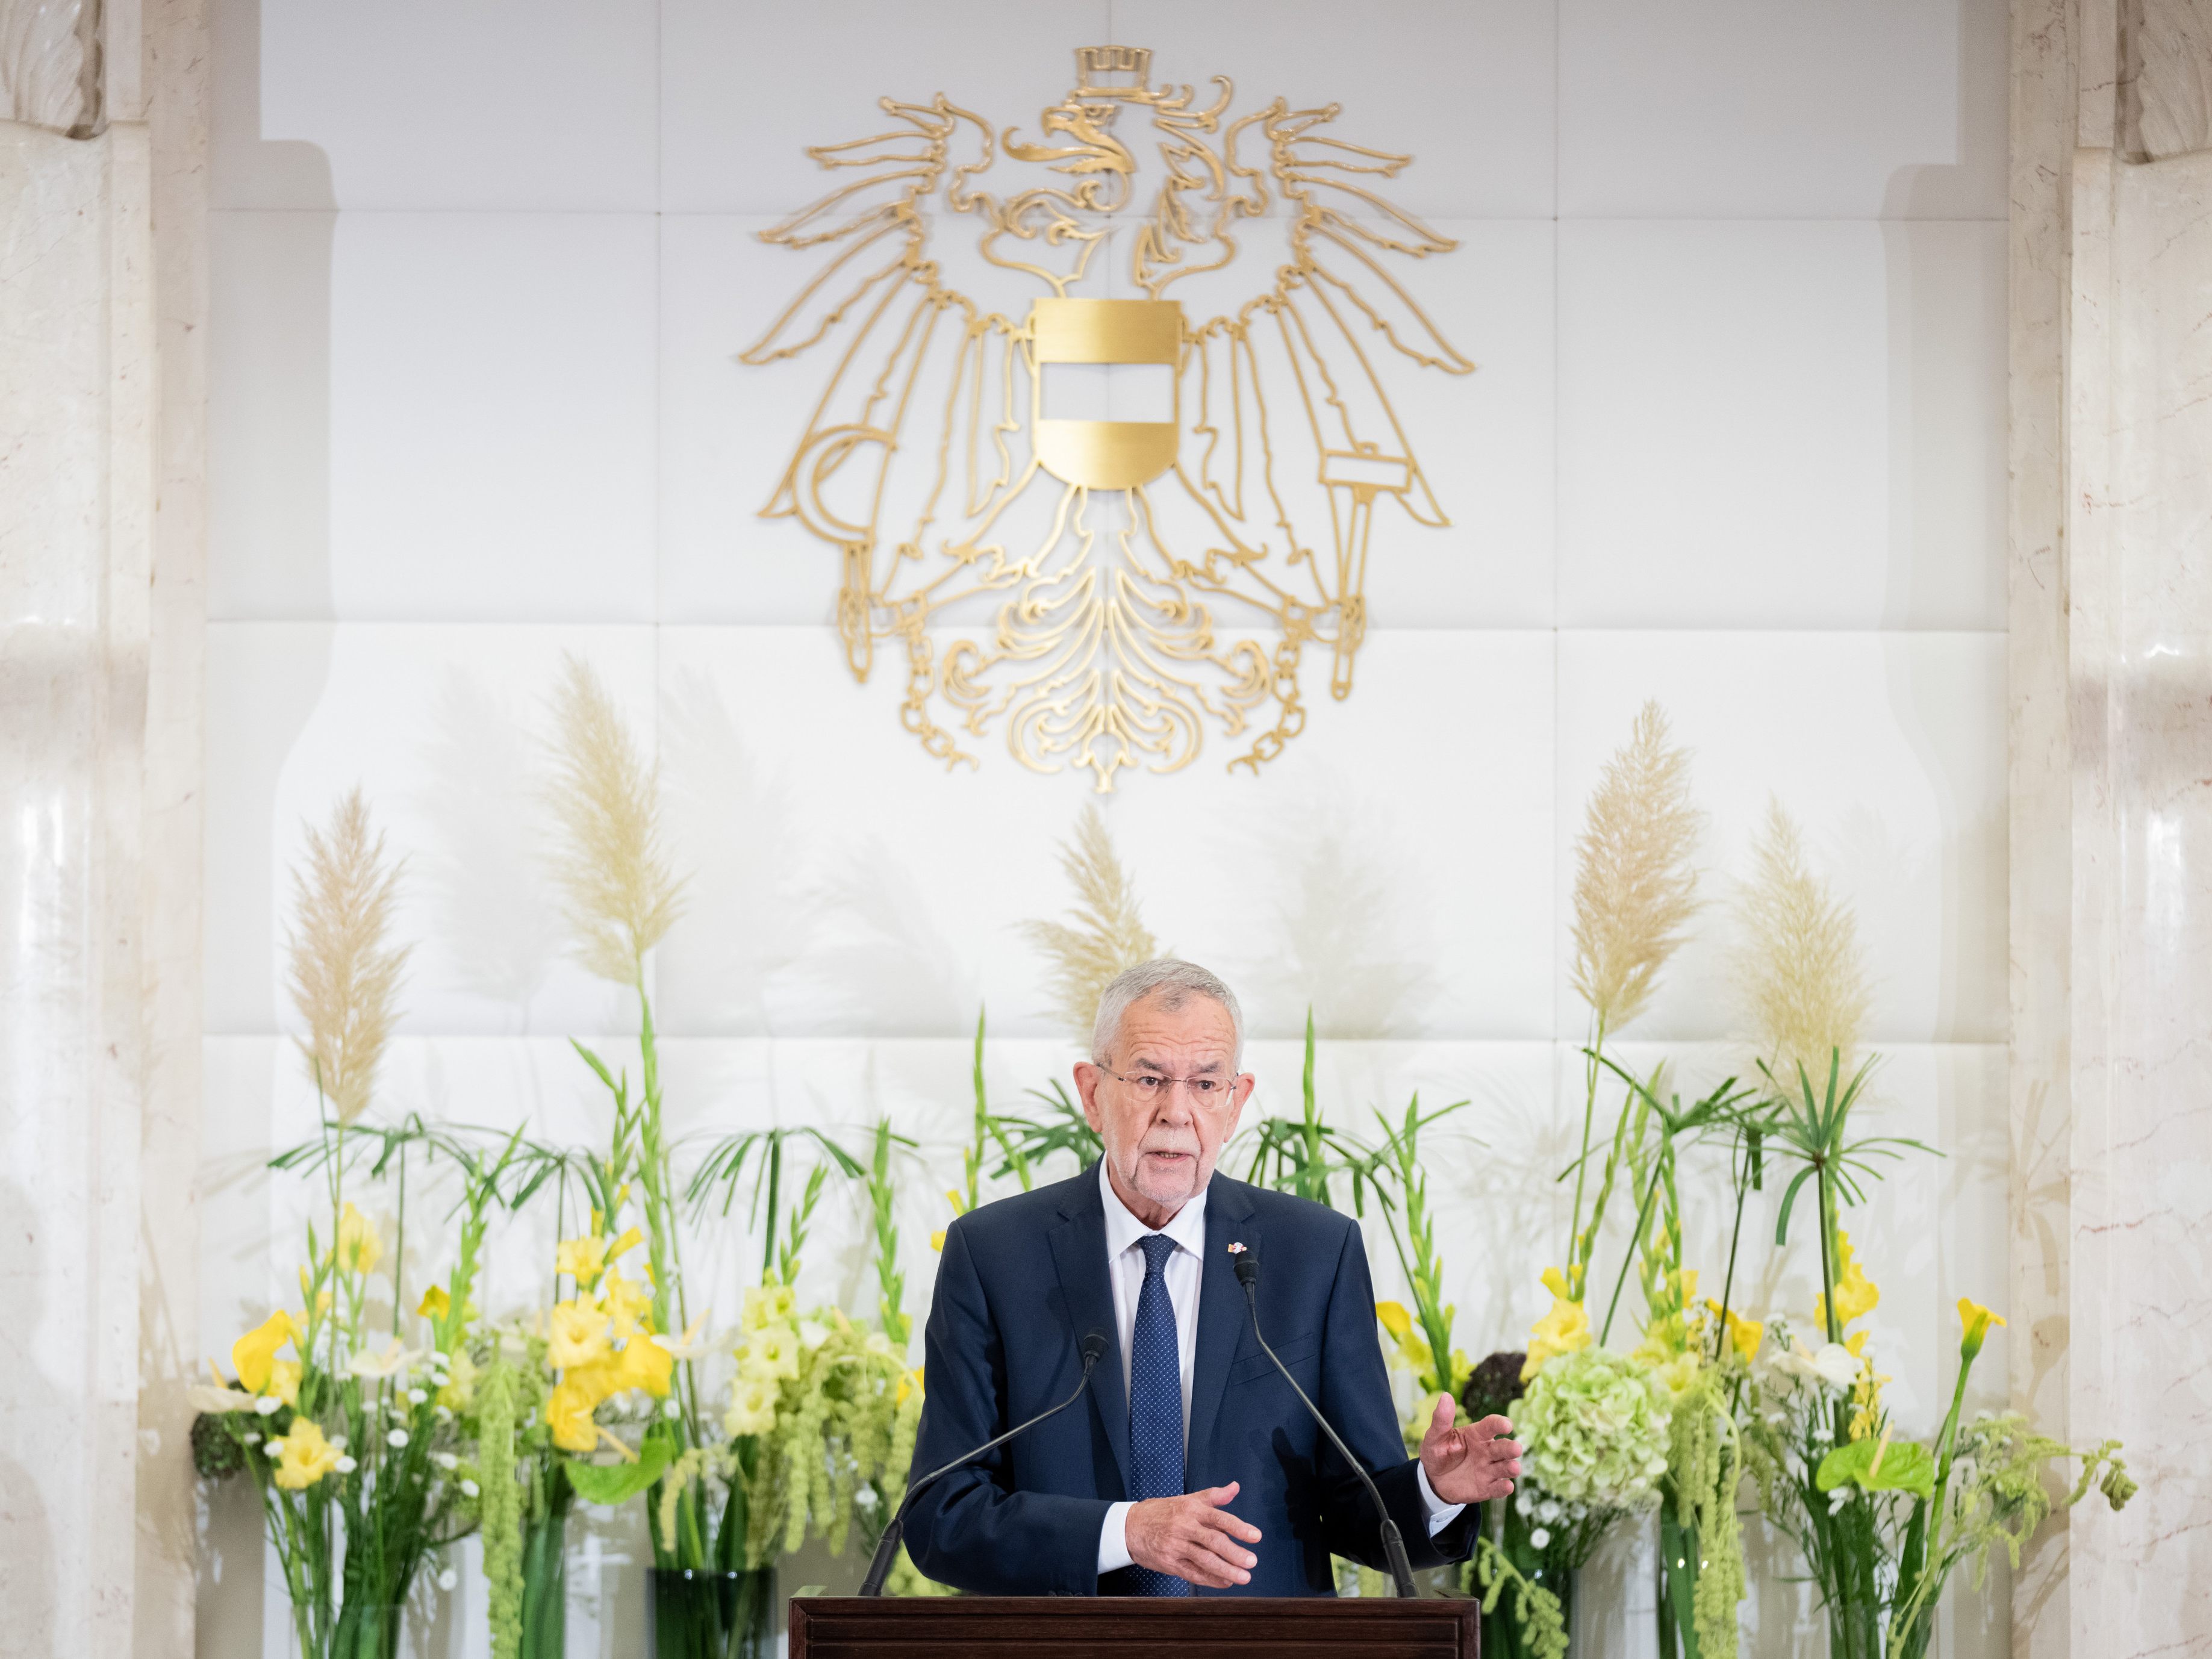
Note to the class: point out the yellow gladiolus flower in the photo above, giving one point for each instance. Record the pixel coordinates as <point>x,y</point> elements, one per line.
<point>308,1456</point>
<point>936,1241</point>
<point>1974,1320</point>
<point>359,1247</point>
<point>1856,1296</point>
<point>773,1350</point>
<point>1395,1320</point>
<point>284,1381</point>
<point>460,1389</point>
<point>580,1335</point>
<point>582,1259</point>
<point>909,1382</point>
<point>1563,1330</point>
<point>631,1238</point>
<point>770,1304</point>
<point>254,1355</point>
<point>626,1303</point>
<point>752,1407</point>
<point>437,1304</point>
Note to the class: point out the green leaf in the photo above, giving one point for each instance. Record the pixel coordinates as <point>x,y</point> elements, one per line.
<point>1788,1201</point>
<point>617,1483</point>
<point>1906,1466</point>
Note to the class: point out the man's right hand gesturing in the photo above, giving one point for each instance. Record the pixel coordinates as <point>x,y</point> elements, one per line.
<point>1193,1537</point>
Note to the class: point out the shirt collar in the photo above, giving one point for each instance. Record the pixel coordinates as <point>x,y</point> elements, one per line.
<point>1123,1229</point>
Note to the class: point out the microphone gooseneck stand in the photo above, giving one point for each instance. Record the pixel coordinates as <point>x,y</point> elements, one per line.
<point>1393,1542</point>
<point>1094,1346</point>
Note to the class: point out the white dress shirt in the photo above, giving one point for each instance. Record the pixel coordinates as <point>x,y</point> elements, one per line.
<point>1125,1273</point>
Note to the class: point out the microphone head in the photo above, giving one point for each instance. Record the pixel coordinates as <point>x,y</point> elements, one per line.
<point>1094,1347</point>
<point>1248,1269</point>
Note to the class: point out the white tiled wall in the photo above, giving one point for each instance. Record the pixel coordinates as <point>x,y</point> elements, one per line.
<point>1733,274</point>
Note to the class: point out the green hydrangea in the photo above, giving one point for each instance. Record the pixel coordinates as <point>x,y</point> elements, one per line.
<point>1595,1424</point>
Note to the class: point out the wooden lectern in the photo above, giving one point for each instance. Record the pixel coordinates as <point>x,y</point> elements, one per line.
<point>1122,1627</point>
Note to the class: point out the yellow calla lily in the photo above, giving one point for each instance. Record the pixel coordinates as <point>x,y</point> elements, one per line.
<point>688,1345</point>
<point>569,1406</point>
<point>1563,1330</point>
<point>1856,1296</point>
<point>253,1355</point>
<point>644,1364</point>
<point>1745,1334</point>
<point>1974,1321</point>
<point>308,1456</point>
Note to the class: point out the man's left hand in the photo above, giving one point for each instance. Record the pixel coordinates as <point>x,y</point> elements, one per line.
<point>1471,1464</point>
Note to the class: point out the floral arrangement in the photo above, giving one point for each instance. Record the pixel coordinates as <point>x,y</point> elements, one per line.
<point>359,1445</point>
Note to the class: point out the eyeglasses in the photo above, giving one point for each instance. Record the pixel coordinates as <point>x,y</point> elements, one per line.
<point>1151,1086</point>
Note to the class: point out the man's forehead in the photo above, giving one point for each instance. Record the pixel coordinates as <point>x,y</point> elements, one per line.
<point>1199,1057</point>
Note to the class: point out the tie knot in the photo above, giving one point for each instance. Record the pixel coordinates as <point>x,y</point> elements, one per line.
<point>1157,1248</point>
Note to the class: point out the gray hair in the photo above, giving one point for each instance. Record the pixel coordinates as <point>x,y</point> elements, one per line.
<point>1174,983</point>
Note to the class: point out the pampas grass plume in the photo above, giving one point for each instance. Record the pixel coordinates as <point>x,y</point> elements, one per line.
<point>615,884</point>
<point>1103,933</point>
<point>1799,968</point>
<point>1635,888</point>
<point>344,977</point>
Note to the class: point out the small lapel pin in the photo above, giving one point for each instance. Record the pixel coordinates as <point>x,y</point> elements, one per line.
<point>1235,1249</point>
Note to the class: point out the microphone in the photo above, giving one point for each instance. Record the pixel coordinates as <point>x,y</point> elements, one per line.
<point>1093,1348</point>
<point>1393,1542</point>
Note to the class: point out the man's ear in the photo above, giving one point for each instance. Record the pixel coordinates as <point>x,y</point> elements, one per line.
<point>1086,1086</point>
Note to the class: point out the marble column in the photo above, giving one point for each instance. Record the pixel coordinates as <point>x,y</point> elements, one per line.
<point>2113,804</point>
<point>101,547</point>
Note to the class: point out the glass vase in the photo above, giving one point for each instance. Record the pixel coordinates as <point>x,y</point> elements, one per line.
<point>364,1629</point>
<point>545,1577</point>
<point>703,1614</point>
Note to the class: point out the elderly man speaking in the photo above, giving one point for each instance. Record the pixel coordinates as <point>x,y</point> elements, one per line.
<point>1191,1468</point>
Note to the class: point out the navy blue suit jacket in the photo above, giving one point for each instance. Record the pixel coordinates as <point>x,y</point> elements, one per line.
<point>1023,1280</point>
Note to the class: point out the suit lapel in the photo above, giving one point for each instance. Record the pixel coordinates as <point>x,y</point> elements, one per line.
<point>1079,1253</point>
<point>1221,1316</point>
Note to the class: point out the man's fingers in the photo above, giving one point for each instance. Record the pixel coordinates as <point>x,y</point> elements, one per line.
<point>1218,1496</point>
<point>1490,1428</point>
<point>1222,1521</point>
<point>1220,1543</point>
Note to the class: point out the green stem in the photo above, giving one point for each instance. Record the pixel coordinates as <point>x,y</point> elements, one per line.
<point>1590,1074</point>
<point>1643,1218</point>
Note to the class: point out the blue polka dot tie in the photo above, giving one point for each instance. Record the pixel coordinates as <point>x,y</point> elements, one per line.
<point>1155,1402</point>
